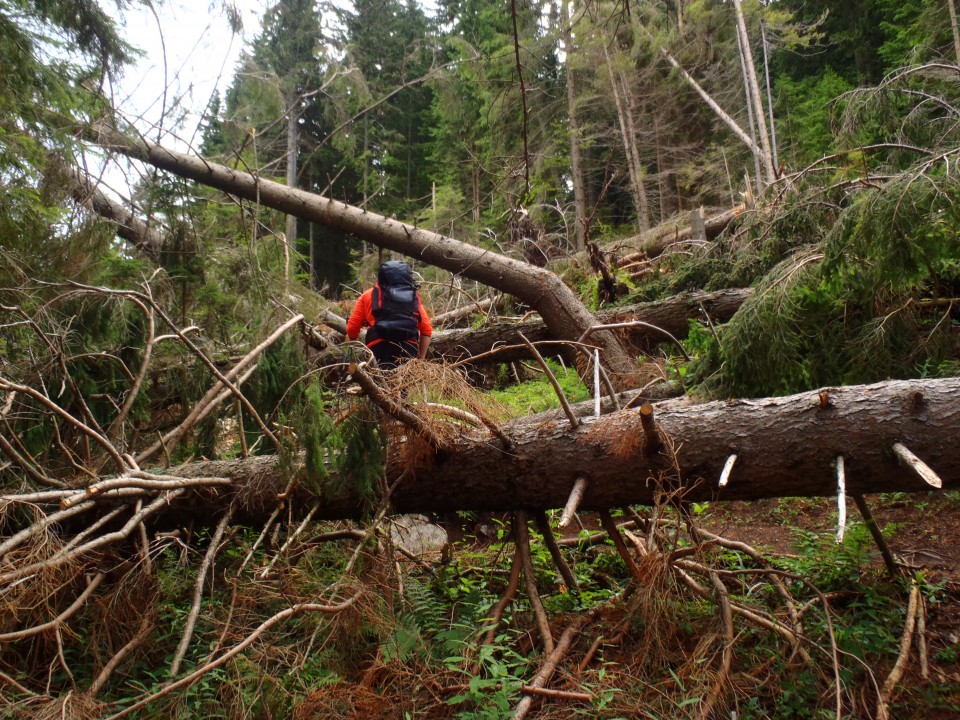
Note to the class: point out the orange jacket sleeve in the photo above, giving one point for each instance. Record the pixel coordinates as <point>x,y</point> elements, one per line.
<point>424,326</point>
<point>362,314</point>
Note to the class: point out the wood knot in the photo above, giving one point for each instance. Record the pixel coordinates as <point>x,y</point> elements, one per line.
<point>915,402</point>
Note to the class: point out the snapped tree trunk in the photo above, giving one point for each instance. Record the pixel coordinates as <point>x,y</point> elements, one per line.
<point>561,310</point>
<point>654,242</point>
<point>751,72</point>
<point>785,447</point>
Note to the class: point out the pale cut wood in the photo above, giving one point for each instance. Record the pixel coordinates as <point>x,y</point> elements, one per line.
<point>917,465</point>
<point>727,469</point>
<point>652,436</point>
<point>841,499</point>
<point>573,502</point>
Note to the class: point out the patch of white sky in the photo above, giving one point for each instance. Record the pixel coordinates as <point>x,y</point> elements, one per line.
<point>189,53</point>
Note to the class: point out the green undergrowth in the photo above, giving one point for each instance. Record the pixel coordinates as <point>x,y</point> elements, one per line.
<point>538,394</point>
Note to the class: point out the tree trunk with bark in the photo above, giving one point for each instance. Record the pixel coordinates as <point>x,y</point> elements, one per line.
<point>655,241</point>
<point>952,8</point>
<point>558,305</point>
<point>785,447</point>
<point>672,315</point>
<point>135,231</point>
<point>629,144</point>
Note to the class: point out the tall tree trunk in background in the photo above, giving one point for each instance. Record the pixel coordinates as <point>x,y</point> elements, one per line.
<point>757,164</point>
<point>755,92</point>
<point>644,209</point>
<point>576,162</point>
<point>477,199</point>
<point>562,311</point>
<point>636,178</point>
<point>952,7</point>
<point>666,208</point>
<point>766,79</point>
<point>293,142</point>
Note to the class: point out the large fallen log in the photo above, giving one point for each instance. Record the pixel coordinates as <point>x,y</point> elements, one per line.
<point>673,315</point>
<point>542,290</point>
<point>785,447</point>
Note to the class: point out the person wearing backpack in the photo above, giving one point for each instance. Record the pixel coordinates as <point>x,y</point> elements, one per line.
<point>398,324</point>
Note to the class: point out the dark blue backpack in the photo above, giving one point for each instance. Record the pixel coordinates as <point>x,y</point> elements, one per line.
<point>395,304</point>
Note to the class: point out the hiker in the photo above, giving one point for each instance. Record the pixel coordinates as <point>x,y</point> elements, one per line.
<point>398,325</point>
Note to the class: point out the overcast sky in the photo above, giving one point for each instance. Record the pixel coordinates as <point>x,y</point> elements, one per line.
<point>188,49</point>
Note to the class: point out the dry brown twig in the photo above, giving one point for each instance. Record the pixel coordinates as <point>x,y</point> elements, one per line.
<point>208,559</point>
<point>522,539</point>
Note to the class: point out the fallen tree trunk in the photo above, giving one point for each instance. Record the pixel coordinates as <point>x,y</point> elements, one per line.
<point>673,315</point>
<point>785,447</point>
<point>541,289</point>
<point>654,242</point>
<point>139,234</point>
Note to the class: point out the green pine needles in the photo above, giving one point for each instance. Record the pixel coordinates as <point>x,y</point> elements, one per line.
<point>872,301</point>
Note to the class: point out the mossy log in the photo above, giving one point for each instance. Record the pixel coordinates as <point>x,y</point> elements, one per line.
<point>785,447</point>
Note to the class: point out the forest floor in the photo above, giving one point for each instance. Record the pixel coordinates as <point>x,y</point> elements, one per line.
<point>922,530</point>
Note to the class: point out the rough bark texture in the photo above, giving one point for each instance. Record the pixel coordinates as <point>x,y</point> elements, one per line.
<point>785,447</point>
<point>673,315</point>
<point>559,307</point>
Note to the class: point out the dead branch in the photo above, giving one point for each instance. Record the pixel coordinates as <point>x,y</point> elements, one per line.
<point>59,412</point>
<point>552,661</point>
<point>614,534</point>
<point>392,407</point>
<point>574,422</point>
<point>906,642</point>
<point>726,616</point>
<point>556,694</point>
<point>522,539</point>
<point>198,595</point>
<point>146,625</point>
<point>508,596</point>
<point>59,619</point>
<point>543,525</point>
<point>236,650</point>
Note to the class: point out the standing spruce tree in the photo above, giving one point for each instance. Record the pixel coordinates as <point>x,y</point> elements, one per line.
<point>391,44</point>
